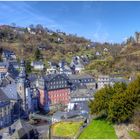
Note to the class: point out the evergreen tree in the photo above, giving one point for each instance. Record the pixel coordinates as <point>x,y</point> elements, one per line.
<point>37,54</point>
<point>28,67</point>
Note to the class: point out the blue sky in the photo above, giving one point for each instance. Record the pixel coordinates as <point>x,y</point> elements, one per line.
<point>98,21</point>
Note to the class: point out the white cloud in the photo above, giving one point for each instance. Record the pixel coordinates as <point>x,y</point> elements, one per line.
<point>23,15</point>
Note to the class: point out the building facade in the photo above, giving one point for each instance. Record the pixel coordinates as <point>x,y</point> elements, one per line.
<point>5,110</point>
<point>102,81</point>
<point>56,90</point>
<point>82,80</point>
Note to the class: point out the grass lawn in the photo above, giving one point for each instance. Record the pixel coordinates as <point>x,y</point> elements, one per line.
<point>66,129</point>
<point>134,134</point>
<point>99,129</point>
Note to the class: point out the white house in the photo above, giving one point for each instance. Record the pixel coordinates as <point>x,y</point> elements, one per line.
<point>53,68</point>
<point>77,64</point>
<point>97,54</point>
<point>37,65</point>
<point>31,31</point>
<point>103,80</point>
<point>52,71</point>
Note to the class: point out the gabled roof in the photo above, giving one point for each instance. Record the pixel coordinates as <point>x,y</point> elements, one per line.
<point>80,76</point>
<point>3,96</point>
<point>22,128</point>
<point>11,91</point>
<point>118,79</point>
<point>52,76</point>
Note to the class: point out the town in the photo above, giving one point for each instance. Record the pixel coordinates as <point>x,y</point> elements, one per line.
<point>69,70</point>
<point>61,93</point>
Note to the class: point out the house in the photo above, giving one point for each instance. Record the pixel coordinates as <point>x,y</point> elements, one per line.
<point>15,64</point>
<point>5,110</point>
<point>114,80</point>
<point>8,55</point>
<point>59,40</point>
<point>50,32</point>
<point>60,33</point>
<point>21,130</point>
<point>10,91</point>
<point>4,67</point>
<point>77,64</point>
<point>82,80</point>
<point>64,68</point>
<point>31,31</point>
<point>109,80</point>
<point>97,53</point>
<point>54,90</point>
<point>37,65</point>
<point>105,49</point>
<point>54,68</point>
<point>58,89</point>
<point>82,95</point>
<point>102,81</point>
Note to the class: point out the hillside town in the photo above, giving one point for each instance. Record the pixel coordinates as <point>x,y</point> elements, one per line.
<point>38,96</point>
<point>60,93</point>
<point>69,70</point>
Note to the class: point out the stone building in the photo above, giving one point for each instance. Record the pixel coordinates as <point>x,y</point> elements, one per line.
<point>5,110</point>
<point>20,129</point>
<point>54,90</point>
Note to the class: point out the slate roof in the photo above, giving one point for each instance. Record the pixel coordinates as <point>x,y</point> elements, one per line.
<point>51,76</point>
<point>119,79</point>
<point>80,76</point>
<point>4,100</point>
<point>4,82</point>
<point>82,93</point>
<point>3,96</point>
<point>15,64</point>
<point>22,128</point>
<point>82,110</point>
<point>56,78</point>
<point>81,79</point>
<point>11,91</point>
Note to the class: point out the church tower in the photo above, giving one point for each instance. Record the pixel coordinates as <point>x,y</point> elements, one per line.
<point>22,86</point>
